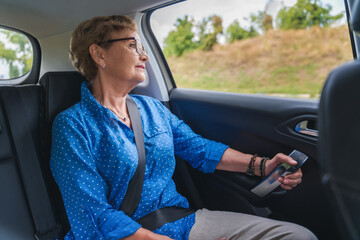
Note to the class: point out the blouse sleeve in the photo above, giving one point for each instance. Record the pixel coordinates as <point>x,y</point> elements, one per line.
<point>83,189</point>
<point>202,154</point>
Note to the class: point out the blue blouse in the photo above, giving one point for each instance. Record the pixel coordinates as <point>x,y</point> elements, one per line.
<point>94,157</point>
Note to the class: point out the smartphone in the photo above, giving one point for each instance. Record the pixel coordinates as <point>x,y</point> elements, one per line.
<point>271,182</point>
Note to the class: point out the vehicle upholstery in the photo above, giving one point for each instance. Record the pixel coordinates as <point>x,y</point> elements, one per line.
<point>339,145</point>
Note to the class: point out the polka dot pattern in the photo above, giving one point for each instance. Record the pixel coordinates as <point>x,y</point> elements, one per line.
<point>94,156</point>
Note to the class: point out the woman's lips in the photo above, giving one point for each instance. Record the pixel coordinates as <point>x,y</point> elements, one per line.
<point>140,66</point>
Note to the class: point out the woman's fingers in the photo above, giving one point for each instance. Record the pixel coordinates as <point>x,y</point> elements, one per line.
<point>292,180</point>
<point>290,183</point>
<point>295,175</point>
<point>280,158</point>
<point>277,160</point>
<point>286,187</point>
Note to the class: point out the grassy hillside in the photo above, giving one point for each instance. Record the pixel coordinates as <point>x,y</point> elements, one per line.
<point>293,62</point>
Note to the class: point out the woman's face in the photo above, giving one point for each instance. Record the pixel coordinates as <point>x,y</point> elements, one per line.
<point>122,61</point>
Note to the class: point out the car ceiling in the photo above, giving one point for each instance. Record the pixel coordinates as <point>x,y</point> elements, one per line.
<point>46,18</point>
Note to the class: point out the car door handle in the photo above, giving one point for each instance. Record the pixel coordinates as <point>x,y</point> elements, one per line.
<point>302,127</point>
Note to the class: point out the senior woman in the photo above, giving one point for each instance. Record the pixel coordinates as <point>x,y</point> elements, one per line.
<point>94,154</point>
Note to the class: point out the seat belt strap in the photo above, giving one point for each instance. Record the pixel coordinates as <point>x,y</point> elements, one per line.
<point>156,219</point>
<point>28,164</point>
<point>159,217</point>
<point>133,194</point>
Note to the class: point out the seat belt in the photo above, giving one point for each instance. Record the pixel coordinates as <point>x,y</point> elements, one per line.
<point>159,217</point>
<point>133,194</point>
<point>27,161</point>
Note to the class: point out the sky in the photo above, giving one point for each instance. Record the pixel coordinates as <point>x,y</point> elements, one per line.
<point>162,20</point>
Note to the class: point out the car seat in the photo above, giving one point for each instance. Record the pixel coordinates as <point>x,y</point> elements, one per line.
<point>339,145</point>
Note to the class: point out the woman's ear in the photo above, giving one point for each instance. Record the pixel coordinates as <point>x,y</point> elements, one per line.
<point>97,55</point>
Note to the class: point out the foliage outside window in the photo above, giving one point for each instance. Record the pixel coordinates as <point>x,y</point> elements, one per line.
<point>287,54</point>
<point>16,55</point>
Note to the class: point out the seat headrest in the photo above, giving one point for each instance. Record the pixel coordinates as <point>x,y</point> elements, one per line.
<point>62,90</point>
<point>339,119</point>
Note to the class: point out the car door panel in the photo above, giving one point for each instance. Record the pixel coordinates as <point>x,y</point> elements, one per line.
<point>266,126</point>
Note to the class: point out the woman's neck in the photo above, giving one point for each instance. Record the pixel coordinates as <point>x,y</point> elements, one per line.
<point>111,94</point>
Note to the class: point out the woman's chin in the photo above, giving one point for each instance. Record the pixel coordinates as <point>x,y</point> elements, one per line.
<point>142,78</point>
<point>139,80</point>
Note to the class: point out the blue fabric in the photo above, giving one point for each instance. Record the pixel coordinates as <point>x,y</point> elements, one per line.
<point>94,157</point>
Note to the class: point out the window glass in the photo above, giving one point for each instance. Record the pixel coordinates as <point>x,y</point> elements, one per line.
<point>16,54</point>
<point>275,47</point>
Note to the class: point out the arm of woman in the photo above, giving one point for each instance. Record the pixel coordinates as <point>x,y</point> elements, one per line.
<point>235,161</point>
<point>207,155</point>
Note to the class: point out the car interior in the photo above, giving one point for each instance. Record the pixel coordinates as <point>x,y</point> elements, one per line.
<point>327,201</point>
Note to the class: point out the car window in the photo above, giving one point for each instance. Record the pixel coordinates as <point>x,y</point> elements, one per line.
<point>278,48</point>
<point>16,55</point>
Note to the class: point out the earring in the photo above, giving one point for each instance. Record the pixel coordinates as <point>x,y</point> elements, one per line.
<point>103,66</point>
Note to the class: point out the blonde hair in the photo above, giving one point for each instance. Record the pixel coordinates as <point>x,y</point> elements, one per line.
<point>94,31</point>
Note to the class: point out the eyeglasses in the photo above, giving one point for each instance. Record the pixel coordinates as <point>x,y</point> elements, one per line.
<point>139,47</point>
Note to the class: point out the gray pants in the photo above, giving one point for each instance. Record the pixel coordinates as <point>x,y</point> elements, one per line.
<point>214,225</point>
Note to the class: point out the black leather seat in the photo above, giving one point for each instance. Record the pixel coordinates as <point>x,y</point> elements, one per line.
<point>16,220</point>
<point>339,131</point>
<point>30,201</point>
<point>61,90</point>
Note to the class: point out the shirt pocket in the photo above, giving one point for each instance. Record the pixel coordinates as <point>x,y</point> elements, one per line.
<point>159,153</point>
<point>158,141</point>
<point>154,131</point>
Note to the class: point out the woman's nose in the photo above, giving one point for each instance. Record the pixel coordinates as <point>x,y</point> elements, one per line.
<point>144,57</point>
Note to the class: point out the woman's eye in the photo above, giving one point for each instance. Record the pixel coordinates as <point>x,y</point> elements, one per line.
<point>133,45</point>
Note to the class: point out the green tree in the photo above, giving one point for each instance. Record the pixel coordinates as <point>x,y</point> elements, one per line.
<point>261,21</point>
<point>236,32</point>
<point>180,40</point>
<point>19,55</point>
<point>6,55</point>
<point>267,23</point>
<point>304,14</point>
<point>14,70</point>
<point>210,29</point>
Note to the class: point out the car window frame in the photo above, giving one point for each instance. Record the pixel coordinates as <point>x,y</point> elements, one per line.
<point>354,39</point>
<point>157,51</point>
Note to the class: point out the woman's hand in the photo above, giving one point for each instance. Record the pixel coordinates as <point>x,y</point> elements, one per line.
<point>144,234</point>
<point>290,181</point>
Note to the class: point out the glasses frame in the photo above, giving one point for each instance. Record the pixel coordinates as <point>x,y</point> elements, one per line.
<point>140,49</point>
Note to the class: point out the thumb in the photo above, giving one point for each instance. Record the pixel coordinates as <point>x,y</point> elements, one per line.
<point>281,158</point>
<point>291,161</point>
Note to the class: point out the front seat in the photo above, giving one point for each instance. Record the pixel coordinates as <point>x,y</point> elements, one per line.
<point>339,145</point>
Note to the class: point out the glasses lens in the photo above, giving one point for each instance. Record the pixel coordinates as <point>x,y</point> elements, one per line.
<point>140,48</point>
